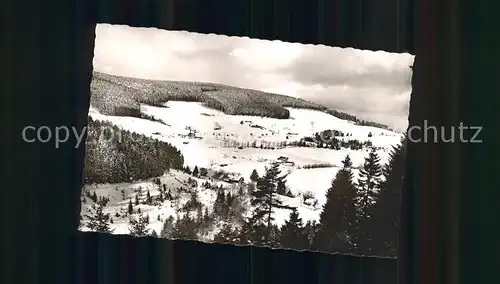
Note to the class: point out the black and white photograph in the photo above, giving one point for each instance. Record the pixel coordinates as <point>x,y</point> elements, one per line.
<point>244,141</point>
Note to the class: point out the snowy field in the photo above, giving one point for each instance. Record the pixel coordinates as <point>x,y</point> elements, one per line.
<point>202,135</point>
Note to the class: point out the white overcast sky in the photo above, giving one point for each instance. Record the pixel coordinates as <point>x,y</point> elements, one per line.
<point>371,85</point>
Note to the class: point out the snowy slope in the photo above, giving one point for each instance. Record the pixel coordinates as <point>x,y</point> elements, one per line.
<point>208,147</point>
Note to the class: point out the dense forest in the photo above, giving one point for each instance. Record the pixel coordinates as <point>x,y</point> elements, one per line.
<point>114,155</point>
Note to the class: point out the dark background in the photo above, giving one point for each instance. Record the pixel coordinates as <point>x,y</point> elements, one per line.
<point>449,224</point>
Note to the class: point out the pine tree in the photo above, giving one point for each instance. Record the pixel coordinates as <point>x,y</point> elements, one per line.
<point>149,200</point>
<point>252,232</point>
<point>161,198</point>
<point>254,176</point>
<point>310,230</point>
<point>139,227</point>
<point>187,170</point>
<point>273,239</point>
<point>185,228</point>
<point>347,162</point>
<point>167,230</point>
<point>94,197</point>
<point>369,182</point>
<point>229,200</point>
<point>292,234</point>
<point>220,202</point>
<point>137,200</point>
<point>383,225</point>
<point>98,221</point>
<point>130,207</point>
<point>338,214</point>
<point>195,171</point>
<point>199,215</point>
<point>264,196</point>
<point>206,216</point>
<point>154,234</point>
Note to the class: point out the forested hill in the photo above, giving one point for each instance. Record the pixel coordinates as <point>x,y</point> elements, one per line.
<point>116,95</point>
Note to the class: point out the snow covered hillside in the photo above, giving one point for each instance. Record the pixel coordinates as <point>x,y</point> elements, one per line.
<point>236,145</point>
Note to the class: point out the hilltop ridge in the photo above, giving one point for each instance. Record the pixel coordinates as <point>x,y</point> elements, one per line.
<point>122,96</point>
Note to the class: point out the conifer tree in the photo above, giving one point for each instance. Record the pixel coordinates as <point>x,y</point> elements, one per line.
<point>339,213</point>
<point>264,196</point>
<point>154,234</point>
<point>199,215</point>
<point>149,200</point>
<point>98,221</point>
<point>273,239</point>
<point>187,170</point>
<point>347,162</point>
<point>310,230</point>
<point>195,171</point>
<point>167,230</point>
<point>161,198</point>
<point>252,232</point>
<point>383,225</point>
<point>130,207</point>
<point>139,227</point>
<point>254,176</point>
<point>220,202</point>
<point>185,228</point>
<point>369,182</point>
<point>206,216</point>
<point>229,200</point>
<point>95,198</point>
<point>137,200</point>
<point>292,234</point>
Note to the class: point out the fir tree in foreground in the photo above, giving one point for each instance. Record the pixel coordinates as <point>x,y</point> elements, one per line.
<point>139,227</point>
<point>185,228</point>
<point>292,233</point>
<point>339,213</point>
<point>369,182</point>
<point>98,221</point>
<point>264,197</point>
<point>252,232</point>
<point>167,230</point>
<point>383,224</point>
